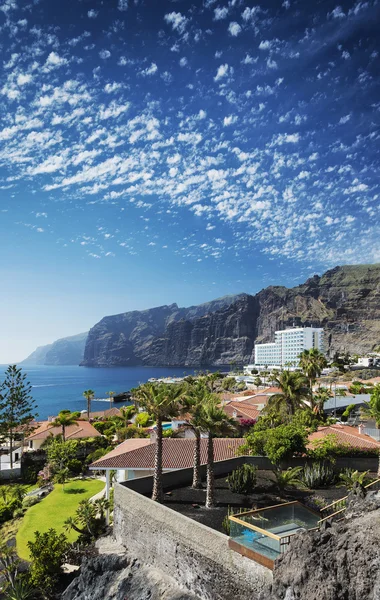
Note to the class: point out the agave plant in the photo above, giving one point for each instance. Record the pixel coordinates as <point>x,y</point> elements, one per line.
<point>318,475</point>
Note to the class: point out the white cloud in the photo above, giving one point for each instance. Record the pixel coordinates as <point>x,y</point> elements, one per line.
<point>112,87</point>
<point>54,61</point>
<point>220,13</point>
<point>249,60</point>
<point>250,13</point>
<point>149,70</point>
<point>285,138</point>
<point>266,45</point>
<point>229,120</point>
<point>23,79</point>
<point>222,72</point>
<point>104,54</point>
<point>337,13</point>
<point>177,21</point>
<point>92,14</point>
<point>271,64</point>
<point>234,29</point>
<point>122,5</point>
<point>183,61</point>
<point>344,119</point>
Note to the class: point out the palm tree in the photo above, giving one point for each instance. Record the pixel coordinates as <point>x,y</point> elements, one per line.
<point>293,393</point>
<point>319,400</point>
<point>160,400</point>
<point>64,419</point>
<point>89,395</point>
<point>110,396</point>
<point>214,421</point>
<point>373,409</point>
<point>312,362</point>
<point>193,400</point>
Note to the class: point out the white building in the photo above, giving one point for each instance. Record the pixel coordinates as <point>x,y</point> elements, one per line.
<point>288,345</point>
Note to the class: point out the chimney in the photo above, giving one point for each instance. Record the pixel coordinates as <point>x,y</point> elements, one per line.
<point>361,429</point>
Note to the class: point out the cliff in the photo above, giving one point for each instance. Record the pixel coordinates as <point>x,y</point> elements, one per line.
<point>345,301</point>
<point>65,351</point>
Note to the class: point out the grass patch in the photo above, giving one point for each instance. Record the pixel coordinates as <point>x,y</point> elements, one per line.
<point>53,511</point>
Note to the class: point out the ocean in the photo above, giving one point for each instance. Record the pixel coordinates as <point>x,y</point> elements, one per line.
<point>57,388</point>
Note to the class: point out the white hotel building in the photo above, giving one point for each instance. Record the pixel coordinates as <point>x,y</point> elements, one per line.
<point>288,345</point>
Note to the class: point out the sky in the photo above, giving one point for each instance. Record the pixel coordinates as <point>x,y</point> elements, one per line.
<point>173,151</point>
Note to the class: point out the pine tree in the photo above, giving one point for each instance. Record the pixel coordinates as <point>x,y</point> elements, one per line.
<point>16,407</point>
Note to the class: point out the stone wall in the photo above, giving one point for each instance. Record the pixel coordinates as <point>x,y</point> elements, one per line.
<point>197,557</point>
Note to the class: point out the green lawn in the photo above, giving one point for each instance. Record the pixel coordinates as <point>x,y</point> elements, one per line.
<point>53,511</point>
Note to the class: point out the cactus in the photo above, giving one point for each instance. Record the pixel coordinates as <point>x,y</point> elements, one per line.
<point>242,480</point>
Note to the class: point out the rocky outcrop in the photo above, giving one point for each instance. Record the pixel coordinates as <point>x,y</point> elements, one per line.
<point>113,577</point>
<point>65,351</point>
<point>340,563</point>
<point>345,301</point>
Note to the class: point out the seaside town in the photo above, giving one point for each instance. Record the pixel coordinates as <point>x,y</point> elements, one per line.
<point>246,459</point>
<point>190,307</point>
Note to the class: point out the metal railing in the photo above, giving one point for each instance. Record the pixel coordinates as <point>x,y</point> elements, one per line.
<point>339,506</point>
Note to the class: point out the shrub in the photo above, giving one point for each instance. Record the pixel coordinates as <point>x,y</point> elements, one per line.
<point>47,553</point>
<point>30,501</point>
<point>278,443</point>
<point>7,510</point>
<point>288,478</point>
<point>75,466</point>
<point>351,478</point>
<point>242,480</point>
<point>318,475</point>
<point>18,513</point>
<point>142,419</point>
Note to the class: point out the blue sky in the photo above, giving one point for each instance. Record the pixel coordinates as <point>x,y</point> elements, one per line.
<point>158,152</point>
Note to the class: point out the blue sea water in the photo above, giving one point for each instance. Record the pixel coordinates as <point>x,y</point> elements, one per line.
<point>57,388</point>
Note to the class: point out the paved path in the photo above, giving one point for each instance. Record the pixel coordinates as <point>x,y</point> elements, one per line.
<point>102,492</point>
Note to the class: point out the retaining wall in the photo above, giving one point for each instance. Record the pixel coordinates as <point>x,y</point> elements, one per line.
<point>197,557</point>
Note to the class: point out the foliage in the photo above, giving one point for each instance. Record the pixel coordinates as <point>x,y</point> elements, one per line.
<point>350,478</point>
<point>17,406</point>
<point>98,453</point>
<point>318,475</point>
<point>231,510</point>
<point>243,479</point>
<point>228,384</point>
<point>61,453</point>
<point>132,431</point>
<point>142,419</point>
<point>294,392</point>
<point>346,414</point>
<point>9,566</point>
<point>373,406</point>
<point>90,518</point>
<point>75,466</point>
<point>278,444</point>
<point>47,553</point>
<point>65,419</point>
<point>29,501</point>
<point>288,478</point>
<point>21,590</point>
<point>89,395</point>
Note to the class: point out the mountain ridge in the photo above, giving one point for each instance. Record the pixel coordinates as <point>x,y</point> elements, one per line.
<point>344,300</point>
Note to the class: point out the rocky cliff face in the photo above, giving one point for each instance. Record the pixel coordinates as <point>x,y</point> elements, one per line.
<point>345,301</point>
<point>65,351</point>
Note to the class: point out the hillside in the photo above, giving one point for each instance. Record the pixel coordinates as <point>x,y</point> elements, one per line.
<point>65,351</point>
<point>345,301</point>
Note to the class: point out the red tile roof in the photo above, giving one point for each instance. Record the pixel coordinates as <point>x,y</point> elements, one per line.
<point>177,454</point>
<point>345,435</point>
<point>241,410</point>
<point>109,412</point>
<point>83,429</point>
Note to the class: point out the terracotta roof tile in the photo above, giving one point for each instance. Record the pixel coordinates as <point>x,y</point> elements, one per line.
<point>242,410</point>
<point>177,454</point>
<point>345,435</point>
<point>83,429</point>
